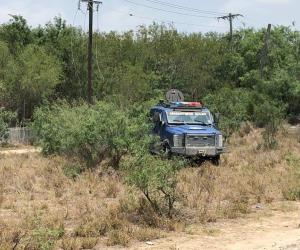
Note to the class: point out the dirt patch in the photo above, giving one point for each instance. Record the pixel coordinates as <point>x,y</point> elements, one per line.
<point>55,204</point>
<point>270,228</point>
<point>20,151</point>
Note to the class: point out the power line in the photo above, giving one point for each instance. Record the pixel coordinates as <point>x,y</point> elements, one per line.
<point>230,17</point>
<point>84,22</point>
<point>181,7</point>
<point>72,39</point>
<point>162,20</point>
<point>173,22</point>
<point>96,47</point>
<point>168,11</point>
<point>90,4</point>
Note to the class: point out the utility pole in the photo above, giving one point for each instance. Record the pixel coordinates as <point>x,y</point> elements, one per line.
<point>264,51</point>
<point>90,52</point>
<point>230,17</point>
<point>90,6</point>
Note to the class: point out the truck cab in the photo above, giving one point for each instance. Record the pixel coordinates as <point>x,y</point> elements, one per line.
<point>188,129</point>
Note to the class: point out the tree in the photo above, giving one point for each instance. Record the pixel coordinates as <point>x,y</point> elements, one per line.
<point>233,105</point>
<point>5,118</point>
<point>269,115</point>
<point>16,33</point>
<point>89,134</point>
<point>5,58</point>
<point>33,76</point>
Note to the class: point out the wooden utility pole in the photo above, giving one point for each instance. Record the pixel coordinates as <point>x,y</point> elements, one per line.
<point>264,51</point>
<point>90,52</point>
<point>90,7</point>
<point>230,17</point>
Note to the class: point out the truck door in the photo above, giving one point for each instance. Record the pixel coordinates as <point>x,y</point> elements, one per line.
<point>158,123</point>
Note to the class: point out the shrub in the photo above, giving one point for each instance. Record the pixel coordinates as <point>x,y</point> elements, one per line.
<point>233,104</point>
<point>89,133</point>
<point>269,115</point>
<point>156,178</point>
<point>72,170</point>
<point>238,106</point>
<point>118,237</point>
<point>5,118</point>
<point>291,189</point>
<point>44,234</point>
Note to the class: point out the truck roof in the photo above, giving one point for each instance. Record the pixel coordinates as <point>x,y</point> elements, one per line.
<point>167,109</point>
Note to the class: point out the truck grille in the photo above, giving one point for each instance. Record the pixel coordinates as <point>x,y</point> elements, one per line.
<point>200,140</point>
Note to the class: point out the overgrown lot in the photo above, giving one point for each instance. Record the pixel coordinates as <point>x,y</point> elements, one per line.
<point>45,203</point>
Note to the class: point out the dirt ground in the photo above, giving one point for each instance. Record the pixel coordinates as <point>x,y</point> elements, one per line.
<point>20,151</point>
<point>42,186</point>
<point>275,228</point>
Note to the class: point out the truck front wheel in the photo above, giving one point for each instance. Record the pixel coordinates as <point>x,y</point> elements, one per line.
<point>167,151</point>
<point>216,160</point>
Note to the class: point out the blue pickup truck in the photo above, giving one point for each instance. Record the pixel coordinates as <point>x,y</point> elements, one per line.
<point>188,129</point>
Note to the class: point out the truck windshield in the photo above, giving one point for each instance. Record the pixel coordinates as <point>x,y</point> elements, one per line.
<point>183,117</point>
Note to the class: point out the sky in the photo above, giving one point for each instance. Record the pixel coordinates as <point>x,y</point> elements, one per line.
<point>123,15</point>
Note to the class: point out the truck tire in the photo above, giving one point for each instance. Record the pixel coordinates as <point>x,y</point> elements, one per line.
<point>216,160</point>
<point>167,151</point>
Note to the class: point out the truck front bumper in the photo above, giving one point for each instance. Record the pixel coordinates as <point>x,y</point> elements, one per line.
<point>198,151</point>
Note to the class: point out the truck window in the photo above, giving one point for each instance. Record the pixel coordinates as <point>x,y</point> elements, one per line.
<point>197,117</point>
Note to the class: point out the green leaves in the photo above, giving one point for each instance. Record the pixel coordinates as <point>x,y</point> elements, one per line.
<point>232,105</point>
<point>30,78</point>
<point>156,178</point>
<point>5,118</point>
<point>89,133</point>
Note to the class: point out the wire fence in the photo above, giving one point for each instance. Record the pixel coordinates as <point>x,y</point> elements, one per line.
<point>20,136</point>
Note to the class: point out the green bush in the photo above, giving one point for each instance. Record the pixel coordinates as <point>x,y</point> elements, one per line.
<point>291,189</point>
<point>88,133</point>
<point>5,118</point>
<point>240,105</point>
<point>233,105</point>
<point>43,236</point>
<point>270,116</point>
<point>156,178</point>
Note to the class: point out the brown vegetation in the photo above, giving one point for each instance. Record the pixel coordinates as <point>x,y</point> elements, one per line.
<point>45,203</point>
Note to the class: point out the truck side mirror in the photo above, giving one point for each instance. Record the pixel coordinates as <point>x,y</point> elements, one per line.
<point>156,117</point>
<point>161,122</point>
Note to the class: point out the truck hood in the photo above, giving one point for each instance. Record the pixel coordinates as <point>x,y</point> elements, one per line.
<point>192,129</point>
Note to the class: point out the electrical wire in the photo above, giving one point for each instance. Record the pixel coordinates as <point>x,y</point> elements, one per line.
<point>173,22</point>
<point>84,22</point>
<point>72,46</point>
<point>72,39</point>
<point>96,47</point>
<point>181,7</point>
<point>169,11</point>
<point>164,21</point>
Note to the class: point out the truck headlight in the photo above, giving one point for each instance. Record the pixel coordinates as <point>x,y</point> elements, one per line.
<point>220,141</point>
<point>178,140</point>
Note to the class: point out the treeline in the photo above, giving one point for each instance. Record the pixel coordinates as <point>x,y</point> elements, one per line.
<point>46,63</point>
<point>43,79</point>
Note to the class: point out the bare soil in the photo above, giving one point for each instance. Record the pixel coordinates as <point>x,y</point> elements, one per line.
<point>39,195</point>
<point>19,151</point>
<point>267,228</point>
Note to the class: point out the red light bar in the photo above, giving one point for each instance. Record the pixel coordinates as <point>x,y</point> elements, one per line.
<point>195,104</point>
<point>188,104</point>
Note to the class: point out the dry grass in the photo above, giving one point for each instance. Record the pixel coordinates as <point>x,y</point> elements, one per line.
<point>45,205</point>
<point>247,176</point>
